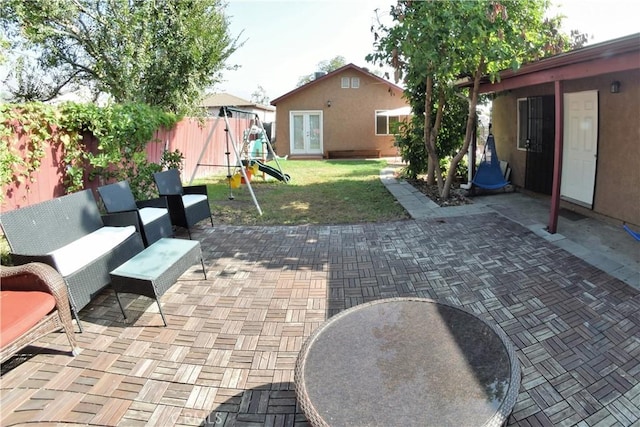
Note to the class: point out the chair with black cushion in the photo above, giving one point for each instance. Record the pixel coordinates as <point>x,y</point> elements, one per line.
<point>188,205</point>
<point>150,217</point>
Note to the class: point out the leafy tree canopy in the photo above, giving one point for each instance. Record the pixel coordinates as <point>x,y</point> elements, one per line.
<point>323,67</point>
<point>161,53</point>
<point>259,96</point>
<point>432,44</point>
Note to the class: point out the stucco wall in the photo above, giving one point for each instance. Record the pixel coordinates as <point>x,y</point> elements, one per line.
<point>617,190</point>
<point>349,124</point>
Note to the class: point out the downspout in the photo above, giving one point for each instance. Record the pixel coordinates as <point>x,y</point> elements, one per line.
<point>552,227</point>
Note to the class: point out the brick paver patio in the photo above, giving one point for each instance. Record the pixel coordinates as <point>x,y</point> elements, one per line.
<point>228,354</point>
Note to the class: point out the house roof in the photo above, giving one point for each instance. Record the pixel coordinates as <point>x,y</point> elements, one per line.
<point>228,100</point>
<point>615,55</point>
<point>331,74</point>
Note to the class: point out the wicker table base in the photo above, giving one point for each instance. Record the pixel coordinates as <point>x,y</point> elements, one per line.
<point>154,270</point>
<point>407,361</point>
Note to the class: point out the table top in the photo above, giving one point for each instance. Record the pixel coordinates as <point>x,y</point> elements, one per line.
<point>407,361</point>
<point>154,260</point>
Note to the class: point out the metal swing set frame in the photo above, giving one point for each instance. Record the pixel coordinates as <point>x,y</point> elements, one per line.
<point>231,143</point>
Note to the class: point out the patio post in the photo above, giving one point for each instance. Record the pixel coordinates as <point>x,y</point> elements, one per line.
<point>552,227</point>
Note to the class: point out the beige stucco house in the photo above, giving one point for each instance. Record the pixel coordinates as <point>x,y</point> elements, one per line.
<point>569,126</point>
<point>349,112</point>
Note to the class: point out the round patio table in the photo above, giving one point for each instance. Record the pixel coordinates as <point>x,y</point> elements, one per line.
<point>404,362</point>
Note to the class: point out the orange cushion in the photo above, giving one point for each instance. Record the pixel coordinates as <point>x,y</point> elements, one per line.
<point>20,311</point>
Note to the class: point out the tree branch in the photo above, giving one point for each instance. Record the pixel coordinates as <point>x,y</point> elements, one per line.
<point>56,90</point>
<point>471,118</point>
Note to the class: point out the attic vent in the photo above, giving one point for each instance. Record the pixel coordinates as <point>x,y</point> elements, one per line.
<point>318,74</point>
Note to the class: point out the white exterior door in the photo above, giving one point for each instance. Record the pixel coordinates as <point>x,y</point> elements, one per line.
<point>580,150</point>
<point>306,132</point>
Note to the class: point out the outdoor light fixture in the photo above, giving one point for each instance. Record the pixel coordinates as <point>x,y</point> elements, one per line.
<point>329,103</point>
<point>615,86</point>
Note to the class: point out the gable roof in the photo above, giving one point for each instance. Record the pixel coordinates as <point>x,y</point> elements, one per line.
<point>331,74</point>
<point>227,100</point>
<point>615,55</point>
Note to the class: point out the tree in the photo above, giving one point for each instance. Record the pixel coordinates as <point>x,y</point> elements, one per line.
<point>26,83</point>
<point>436,43</point>
<point>410,138</point>
<point>162,53</point>
<point>4,45</point>
<point>323,67</point>
<point>259,96</point>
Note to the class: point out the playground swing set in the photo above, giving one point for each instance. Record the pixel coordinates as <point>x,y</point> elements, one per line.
<point>250,158</point>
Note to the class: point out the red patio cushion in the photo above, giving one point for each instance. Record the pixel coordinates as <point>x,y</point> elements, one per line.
<point>20,311</point>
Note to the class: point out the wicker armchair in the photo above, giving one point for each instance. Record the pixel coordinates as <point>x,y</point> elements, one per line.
<point>26,288</point>
<point>150,217</point>
<point>187,205</point>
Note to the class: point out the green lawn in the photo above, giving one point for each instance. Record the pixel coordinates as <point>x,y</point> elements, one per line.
<point>319,192</point>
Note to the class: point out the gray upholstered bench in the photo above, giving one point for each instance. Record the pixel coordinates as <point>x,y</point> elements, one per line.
<point>154,270</point>
<point>69,234</point>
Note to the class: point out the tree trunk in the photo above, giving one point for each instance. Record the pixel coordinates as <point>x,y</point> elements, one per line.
<point>431,177</point>
<point>471,118</point>
<point>434,136</point>
<point>430,135</point>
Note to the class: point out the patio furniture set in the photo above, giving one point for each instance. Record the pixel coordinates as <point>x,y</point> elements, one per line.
<point>130,247</point>
<point>395,361</point>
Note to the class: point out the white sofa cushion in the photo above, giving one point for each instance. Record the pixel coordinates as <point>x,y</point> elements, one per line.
<point>77,254</point>
<point>192,199</point>
<point>148,215</point>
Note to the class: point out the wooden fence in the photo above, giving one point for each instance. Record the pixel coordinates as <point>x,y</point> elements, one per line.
<point>202,143</point>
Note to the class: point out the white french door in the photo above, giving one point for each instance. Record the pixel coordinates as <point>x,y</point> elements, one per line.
<point>306,132</point>
<point>580,151</point>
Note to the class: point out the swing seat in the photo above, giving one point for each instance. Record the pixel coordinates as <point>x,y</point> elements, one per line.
<point>489,178</point>
<point>489,175</point>
<point>235,180</point>
<point>248,173</point>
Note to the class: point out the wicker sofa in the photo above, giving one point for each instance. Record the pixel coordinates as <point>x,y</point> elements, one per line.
<point>33,303</point>
<point>68,233</point>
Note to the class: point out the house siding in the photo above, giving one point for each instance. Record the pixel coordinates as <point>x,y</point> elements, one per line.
<point>349,124</point>
<point>617,188</point>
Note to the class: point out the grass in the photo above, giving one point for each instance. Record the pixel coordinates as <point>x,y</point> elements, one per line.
<point>319,192</point>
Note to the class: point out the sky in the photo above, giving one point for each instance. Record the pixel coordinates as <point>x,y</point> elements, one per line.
<point>286,39</point>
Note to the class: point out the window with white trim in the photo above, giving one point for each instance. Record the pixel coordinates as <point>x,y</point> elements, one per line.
<point>345,83</point>
<point>355,82</point>
<point>385,124</point>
